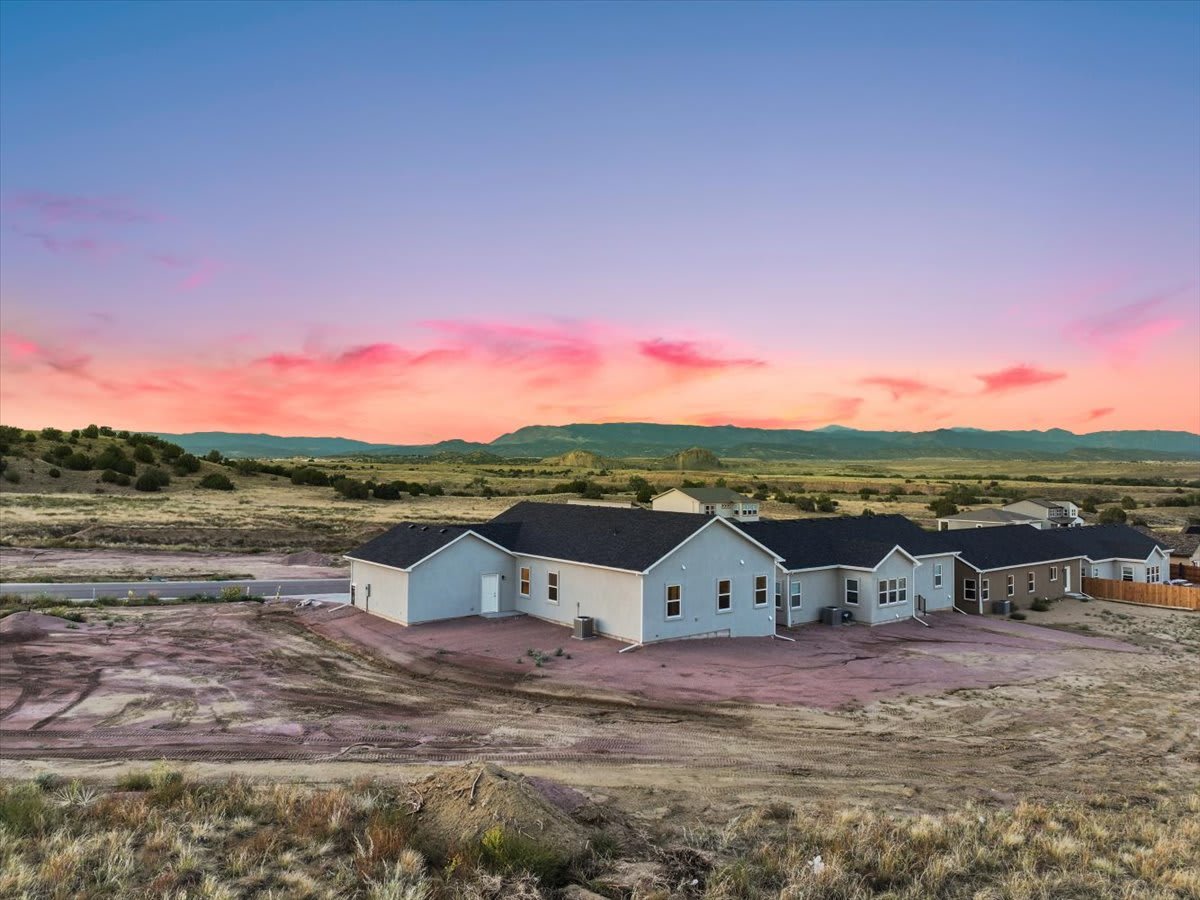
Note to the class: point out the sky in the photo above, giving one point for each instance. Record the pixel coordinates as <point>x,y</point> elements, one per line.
<point>409,222</point>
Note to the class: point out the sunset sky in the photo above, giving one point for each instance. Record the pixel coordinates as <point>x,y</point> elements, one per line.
<point>412,222</point>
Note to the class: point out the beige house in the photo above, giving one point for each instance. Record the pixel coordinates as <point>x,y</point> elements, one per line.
<point>985,518</point>
<point>1049,513</point>
<point>714,501</point>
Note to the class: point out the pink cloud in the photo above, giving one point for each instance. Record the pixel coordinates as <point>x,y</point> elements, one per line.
<point>64,246</point>
<point>1099,413</point>
<point>689,356</point>
<point>900,387</point>
<point>1017,377</point>
<point>76,209</point>
<point>1125,332</point>
<point>29,353</point>
<point>199,272</point>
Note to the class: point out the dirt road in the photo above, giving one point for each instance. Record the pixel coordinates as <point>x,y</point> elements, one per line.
<point>249,685</point>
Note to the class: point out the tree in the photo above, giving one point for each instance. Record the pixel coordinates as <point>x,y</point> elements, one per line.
<point>214,456</point>
<point>387,491</point>
<point>186,465</point>
<point>152,480</point>
<point>80,462</point>
<point>826,504</point>
<point>308,475</point>
<point>216,481</point>
<point>110,476</point>
<point>143,454</point>
<point>1089,503</point>
<point>113,457</point>
<point>352,489</point>
<point>806,504</point>
<point>1112,515</point>
<point>1128,502</point>
<point>92,431</point>
<point>943,506</point>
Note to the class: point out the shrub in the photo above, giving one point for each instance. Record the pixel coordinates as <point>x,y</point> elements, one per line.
<point>114,458</point>
<point>135,781</point>
<point>943,506</point>
<point>54,473</point>
<point>510,852</point>
<point>309,475</point>
<point>387,491</point>
<point>92,431</point>
<point>1041,604</point>
<point>143,454</point>
<point>1019,616</point>
<point>152,480</point>
<point>352,489</point>
<point>110,477</point>
<point>52,434</point>
<point>185,464</point>
<point>214,456</point>
<point>807,504</point>
<point>80,462</point>
<point>1128,502</point>
<point>23,809</point>
<point>1112,515</point>
<point>12,476</point>
<point>825,504</point>
<point>231,592</point>
<point>216,481</point>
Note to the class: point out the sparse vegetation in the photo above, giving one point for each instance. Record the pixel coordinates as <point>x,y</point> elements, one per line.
<point>216,481</point>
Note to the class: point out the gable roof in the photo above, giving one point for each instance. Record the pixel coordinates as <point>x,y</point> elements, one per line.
<point>1038,501</point>
<point>1004,516</point>
<point>1006,546</point>
<point>1098,542</point>
<point>709,494</point>
<point>406,544</point>
<point>629,539</point>
<point>860,542</point>
<point>1182,543</point>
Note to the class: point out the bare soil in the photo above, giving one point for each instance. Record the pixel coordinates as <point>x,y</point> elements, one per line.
<point>62,564</point>
<point>986,711</point>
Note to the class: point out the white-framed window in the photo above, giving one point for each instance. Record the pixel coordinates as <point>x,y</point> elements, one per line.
<point>795,595</point>
<point>552,587</point>
<point>893,591</point>
<point>524,579</point>
<point>778,592</point>
<point>985,589</point>
<point>903,590</point>
<point>852,592</point>
<point>760,590</point>
<point>968,588</point>
<point>1153,575</point>
<point>674,601</point>
<point>1127,573</point>
<point>1054,573</point>
<point>1095,571</point>
<point>724,595</point>
<point>937,575</point>
<point>1032,582</point>
<point>1011,588</point>
<point>709,509</point>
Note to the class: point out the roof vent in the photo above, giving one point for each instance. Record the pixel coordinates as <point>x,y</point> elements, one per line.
<point>424,527</point>
<point>441,531</point>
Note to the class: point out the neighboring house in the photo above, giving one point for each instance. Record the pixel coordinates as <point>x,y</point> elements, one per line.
<point>986,518</point>
<point>1051,513</point>
<point>1120,552</point>
<point>1184,545</point>
<point>641,576</point>
<point>879,567</point>
<point>1013,562</point>
<point>714,501</point>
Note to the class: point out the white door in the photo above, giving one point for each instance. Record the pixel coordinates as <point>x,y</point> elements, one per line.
<point>490,594</point>
<point>1067,579</point>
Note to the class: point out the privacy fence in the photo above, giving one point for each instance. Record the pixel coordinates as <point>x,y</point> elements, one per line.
<point>1186,572</point>
<point>1174,596</point>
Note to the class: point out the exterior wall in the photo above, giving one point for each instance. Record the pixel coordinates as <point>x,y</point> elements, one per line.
<point>936,597</point>
<point>675,501</point>
<point>448,584</point>
<point>1044,587</point>
<point>611,597</point>
<point>1069,517</point>
<point>822,587</point>
<point>961,524</point>
<point>380,590</point>
<point>716,552</point>
<point>895,565</point>
<point>1111,568</point>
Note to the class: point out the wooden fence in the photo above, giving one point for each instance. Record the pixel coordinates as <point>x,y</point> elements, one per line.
<point>1186,572</point>
<point>1174,596</point>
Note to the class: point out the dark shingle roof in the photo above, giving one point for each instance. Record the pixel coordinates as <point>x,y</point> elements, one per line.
<point>408,543</point>
<point>631,539</point>
<point>1110,542</point>
<point>1182,543</point>
<point>861,542</point>
<point>1004,546</point>
<point>1003,516</point>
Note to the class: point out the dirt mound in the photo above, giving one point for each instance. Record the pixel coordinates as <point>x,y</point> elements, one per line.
<point>29,626</point>
<point>460,805</point>
<point>578,459</point>
<point>308,558</point>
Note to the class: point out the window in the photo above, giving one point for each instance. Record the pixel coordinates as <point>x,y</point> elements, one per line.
<point>852,591</point>
<point>760,590</point>
<point>709,509</point>
<point>1127,573</point>
<point>794,595</point>
<point>968,588</point>
<point>778,593</point>
<point>903,590</point>
<point>1095,571</point>
<point>1054,573</point>
<point>937,575</point>
<point>552,587</point>
<point>724,595</point>
<point>1032,582</point>
<point>893,591</point>
<point>1012,585</point>
<point>674,601</point>
<point>985,589</point>
<point>524,581</point>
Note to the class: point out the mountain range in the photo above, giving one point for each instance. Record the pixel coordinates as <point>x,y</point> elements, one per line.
<point>645,439</point>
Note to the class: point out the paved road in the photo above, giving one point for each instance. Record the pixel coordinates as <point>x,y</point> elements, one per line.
<point>294,587</point>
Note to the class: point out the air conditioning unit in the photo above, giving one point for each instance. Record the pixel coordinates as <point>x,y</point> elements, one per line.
<point>831,615</point>
<point>585,628</point>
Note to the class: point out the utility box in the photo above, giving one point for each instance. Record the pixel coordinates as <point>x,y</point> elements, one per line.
<point>831,615</point>
<point>585,628</point>
<point>1001,607</point>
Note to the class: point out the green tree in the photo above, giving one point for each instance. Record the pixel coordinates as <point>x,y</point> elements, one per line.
<point>1112,515</point>
<point>216,481</point>
<point>92,431</point>
<point>943,506</point>
<point>826,504</point>
<point>1128,502</point>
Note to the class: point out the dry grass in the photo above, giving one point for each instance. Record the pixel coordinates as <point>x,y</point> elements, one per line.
<point>170,838</point>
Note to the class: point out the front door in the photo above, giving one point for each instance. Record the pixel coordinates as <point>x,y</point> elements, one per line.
<point>489,601</point>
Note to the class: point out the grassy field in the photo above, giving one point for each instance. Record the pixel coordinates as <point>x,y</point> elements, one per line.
<point>266,511</point>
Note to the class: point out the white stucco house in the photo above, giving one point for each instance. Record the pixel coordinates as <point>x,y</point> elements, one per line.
<point>987,517</point>
<point>714,501</point>
<point>641,576</point>
<point>1120,552</point>
<point>1049,513</point>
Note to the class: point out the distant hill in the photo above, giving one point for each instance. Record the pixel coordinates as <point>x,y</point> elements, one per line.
<point>692,459</point>
<point>652,440</point>
<point>578,459</point>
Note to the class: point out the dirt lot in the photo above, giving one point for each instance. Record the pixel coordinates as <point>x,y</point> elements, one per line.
<point>58,564</point>
<point>245,687</point>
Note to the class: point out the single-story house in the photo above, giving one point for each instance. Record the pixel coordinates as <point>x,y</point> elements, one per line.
<point>1120,552</point>
<point>881,568</point>
<point>641,576</point>
<point>1184,545</point>
<point>988,517</point>
<point>1011,562</point>
<point>709,501</point>
<point>1049,513</point>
